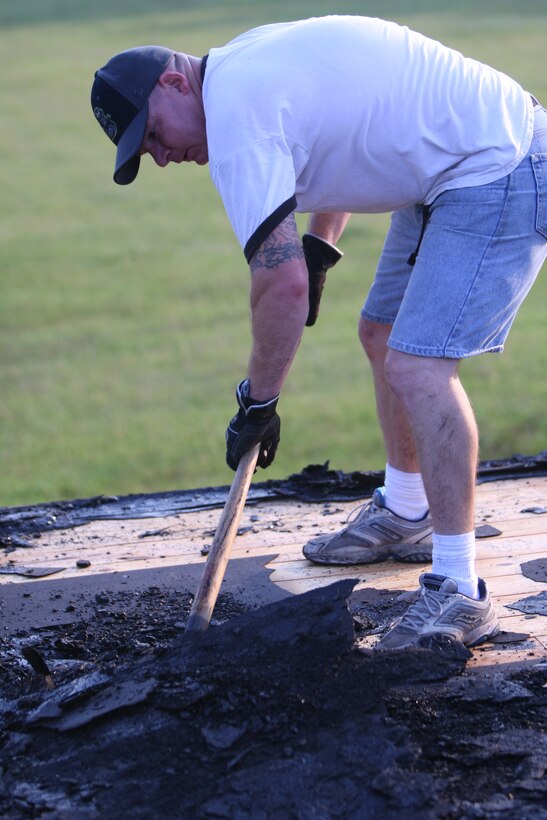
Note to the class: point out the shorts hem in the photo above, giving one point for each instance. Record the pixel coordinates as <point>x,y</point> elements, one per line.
<point>381,320</point>
<point>443,352</point>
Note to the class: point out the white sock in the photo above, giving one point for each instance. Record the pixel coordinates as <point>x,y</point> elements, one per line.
<point>405,494</point>
<point>454,556</point>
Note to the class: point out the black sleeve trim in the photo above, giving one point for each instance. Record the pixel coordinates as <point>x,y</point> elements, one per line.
<point>270,224</point>
<point>203,67</point>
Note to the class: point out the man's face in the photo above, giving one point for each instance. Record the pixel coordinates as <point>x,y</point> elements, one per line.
<point>175,128</point>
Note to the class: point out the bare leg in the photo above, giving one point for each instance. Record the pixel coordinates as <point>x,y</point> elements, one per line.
<point>399,442</point>
<point>445,434</point>
<point>428,426</point>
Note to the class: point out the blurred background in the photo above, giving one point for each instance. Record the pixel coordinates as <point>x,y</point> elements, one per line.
<point>124,323</point>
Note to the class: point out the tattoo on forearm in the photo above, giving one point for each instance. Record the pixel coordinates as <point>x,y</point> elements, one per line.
<point>281,246</point>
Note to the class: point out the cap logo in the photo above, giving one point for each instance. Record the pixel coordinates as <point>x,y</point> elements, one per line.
<point>107,123</point>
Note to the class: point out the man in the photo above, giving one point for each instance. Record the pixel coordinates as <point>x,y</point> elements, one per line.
<point>337,115</point>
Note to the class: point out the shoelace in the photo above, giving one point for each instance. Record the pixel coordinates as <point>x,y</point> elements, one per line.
<point>355,513</point>
<point>428,604</point>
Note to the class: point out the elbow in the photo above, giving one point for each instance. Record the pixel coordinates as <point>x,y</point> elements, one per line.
<point>289,286</point>
<point>297,289</point>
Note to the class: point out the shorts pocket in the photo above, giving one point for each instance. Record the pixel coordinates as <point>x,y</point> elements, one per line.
<point>539,166</point>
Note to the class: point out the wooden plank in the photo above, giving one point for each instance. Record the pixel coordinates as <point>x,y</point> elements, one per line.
<point>514,621</point>
<point>487,565</point>
<point>523,525</point>
<point>513,488</point>
<point>506,497</point>
<point>115,559</point>
<point>390,576</point>
<point>494,654</point>
<point>287,527</point>
<point>274,543</point>
<point>406,581</point>
<point>188,532</point>
<point>111,567</point>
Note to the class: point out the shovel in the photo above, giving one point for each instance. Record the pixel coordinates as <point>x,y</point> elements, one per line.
<point>215,567</point>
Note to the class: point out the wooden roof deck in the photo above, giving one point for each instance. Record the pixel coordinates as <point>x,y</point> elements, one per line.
<point>276,530</point>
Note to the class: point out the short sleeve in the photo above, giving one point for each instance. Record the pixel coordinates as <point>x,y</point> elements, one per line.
<point>257,185</point>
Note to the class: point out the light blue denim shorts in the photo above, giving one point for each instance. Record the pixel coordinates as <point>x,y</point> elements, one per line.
<point>480,253</point>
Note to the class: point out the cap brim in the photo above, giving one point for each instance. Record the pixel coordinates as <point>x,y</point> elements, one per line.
<point>127,155</point>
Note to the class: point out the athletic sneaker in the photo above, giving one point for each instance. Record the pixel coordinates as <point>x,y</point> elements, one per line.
<point>441,610</point>
<point>374,535</point>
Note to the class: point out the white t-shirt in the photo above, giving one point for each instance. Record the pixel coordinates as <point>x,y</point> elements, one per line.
<point>352,114</point>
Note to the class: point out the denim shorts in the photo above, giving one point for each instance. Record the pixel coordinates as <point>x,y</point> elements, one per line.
<point>480,253</point>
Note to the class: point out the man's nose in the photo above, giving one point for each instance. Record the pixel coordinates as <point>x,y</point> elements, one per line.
<point>160,155</point>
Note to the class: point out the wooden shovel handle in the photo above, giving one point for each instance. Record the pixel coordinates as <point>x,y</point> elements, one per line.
<point>215,567</point>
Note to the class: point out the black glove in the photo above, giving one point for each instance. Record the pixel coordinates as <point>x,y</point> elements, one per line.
<point>320,255</point>
<point>254,422</point>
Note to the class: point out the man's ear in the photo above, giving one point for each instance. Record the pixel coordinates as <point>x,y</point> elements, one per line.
<point>174,79</point>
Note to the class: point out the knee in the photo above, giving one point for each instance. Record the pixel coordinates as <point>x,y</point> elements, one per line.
<point>410,376</point>
<point>373,337</point>
<point>400,372</point>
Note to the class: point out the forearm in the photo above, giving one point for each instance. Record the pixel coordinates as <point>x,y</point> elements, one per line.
<point>328,226</point>
<point>279,308</point>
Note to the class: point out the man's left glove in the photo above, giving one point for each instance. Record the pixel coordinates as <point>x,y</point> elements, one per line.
<point>254,422</point>
<point>320,255</point>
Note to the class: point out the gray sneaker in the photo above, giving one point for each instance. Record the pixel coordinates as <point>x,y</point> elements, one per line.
<point>374,535</point>
<point>441,610</point>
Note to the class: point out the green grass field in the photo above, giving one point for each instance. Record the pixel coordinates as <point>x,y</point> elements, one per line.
<point>123,312</point>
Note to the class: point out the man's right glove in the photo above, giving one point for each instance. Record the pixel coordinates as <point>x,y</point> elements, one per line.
<point>320,255</point>
<point>254,422</point>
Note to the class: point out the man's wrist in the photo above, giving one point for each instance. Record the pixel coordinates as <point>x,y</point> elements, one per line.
<point>260,392</point>
<point>248,399</point>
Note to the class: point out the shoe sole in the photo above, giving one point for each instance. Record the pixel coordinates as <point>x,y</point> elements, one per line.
<point>484,636</point>
<point>485,633</point>
<point>406,553</point>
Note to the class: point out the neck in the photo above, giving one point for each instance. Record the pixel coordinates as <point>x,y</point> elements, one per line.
<point>195,65</point>
<point>191,68</point>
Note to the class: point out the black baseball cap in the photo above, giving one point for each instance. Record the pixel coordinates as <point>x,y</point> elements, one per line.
<point>119,99</point>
